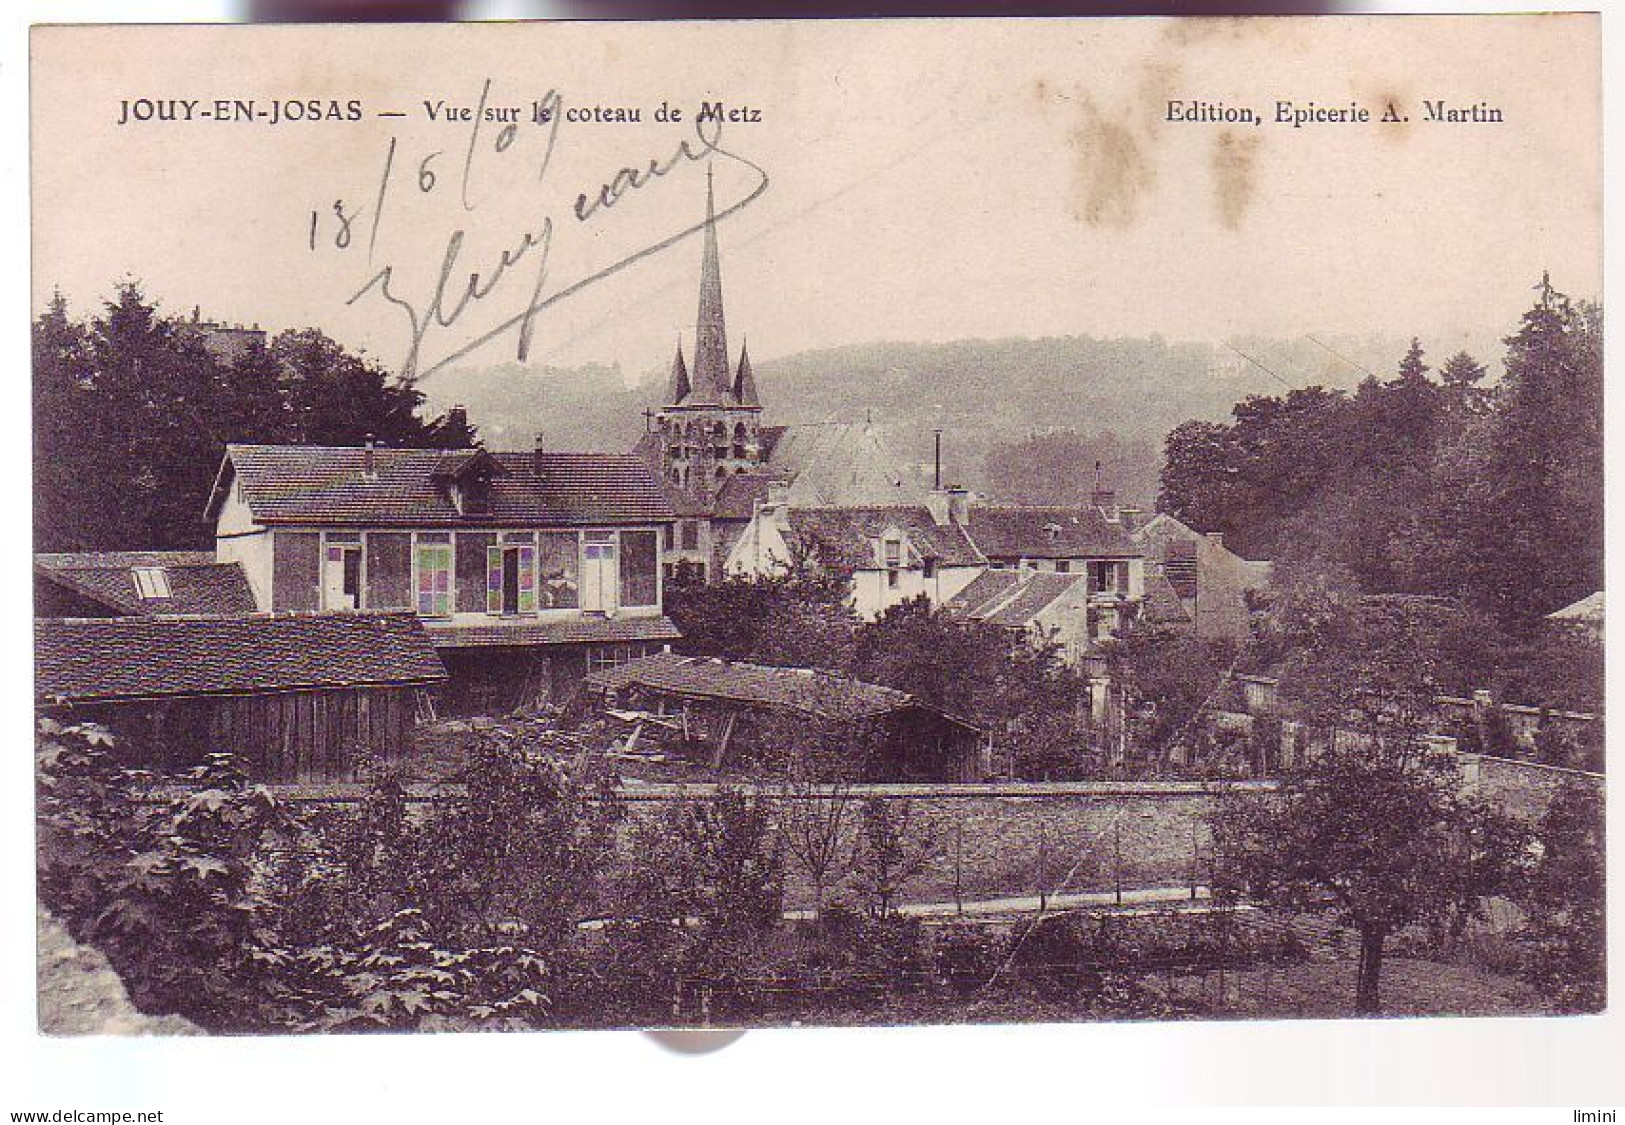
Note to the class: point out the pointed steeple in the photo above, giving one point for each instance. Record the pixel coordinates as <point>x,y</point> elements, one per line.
<point>745,382</point>
<point>711,382</point>
<point>679,386</point>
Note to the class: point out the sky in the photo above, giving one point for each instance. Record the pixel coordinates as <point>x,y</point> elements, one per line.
<point>900,181</point>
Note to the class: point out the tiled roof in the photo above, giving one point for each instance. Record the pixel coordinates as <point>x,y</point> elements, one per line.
<point>982,590</point>
<point>1047,533</point>
<point>1180,566</point>
<point>119,658</point>
<point>1162,604</point>
<point>769,436</point>
<point>1037,591</point>
<point>847,536</point>
<point>740,493</point>
<point>841,464</point>
<point>807,690</point>
<point>330,485</point>
<point>197,583</point>
<point>582,630</point>
<point>102,560</point>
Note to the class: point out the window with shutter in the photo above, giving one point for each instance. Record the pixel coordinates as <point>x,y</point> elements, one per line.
<point>493,580</point>
<point>433,579</point>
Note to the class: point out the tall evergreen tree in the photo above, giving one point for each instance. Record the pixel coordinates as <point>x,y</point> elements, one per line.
<point>133,411</point>
<point>1519,513</point>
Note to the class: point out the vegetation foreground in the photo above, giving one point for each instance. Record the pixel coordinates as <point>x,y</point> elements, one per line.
<point>533,901</point>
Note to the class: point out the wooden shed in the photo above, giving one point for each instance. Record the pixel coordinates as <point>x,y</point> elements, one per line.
<point>295,696</point>
<point>719,704</point>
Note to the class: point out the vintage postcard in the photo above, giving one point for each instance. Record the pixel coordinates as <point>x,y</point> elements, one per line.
<point>824,523</point>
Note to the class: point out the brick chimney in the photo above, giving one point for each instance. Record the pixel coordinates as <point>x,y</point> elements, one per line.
<point>1102,497</point>
<point>540,450</point>
<point>457,418</point>
<point>369,459</point>
<point>948,505</point>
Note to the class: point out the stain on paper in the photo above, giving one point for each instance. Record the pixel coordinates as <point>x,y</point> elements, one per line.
<point>1234,161</point>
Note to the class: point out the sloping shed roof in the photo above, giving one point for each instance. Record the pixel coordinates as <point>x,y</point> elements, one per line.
<point>310,484</point>
<point>198,584</point>
<point>808,690</point>
<point>1047,532</point>
<point>846,536</point>
<point>126,658</point>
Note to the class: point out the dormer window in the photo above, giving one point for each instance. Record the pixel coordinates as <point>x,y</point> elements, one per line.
<point>892,552</point>
<point>1052,531</point>
<point>474,494</point>
<point>467,477</point>
<point>151,582</point>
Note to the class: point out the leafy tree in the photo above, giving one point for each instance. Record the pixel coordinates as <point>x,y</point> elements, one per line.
<point>177,894</point>
<point>1250,477</point>
<point>1378,832</point>
<point>1565,947</point>
<point>1412,485</point>
<point>1165,677</point>
<point>1017,687</point>
<point>787,620</point>
<point>1376,825</point>
<point>336,398</point>
<point>723,867</point>
<point>1412,369</point>
<point>894,846</point>
<point>1528,475</point>
<point>1463,376</point>
<point>1461,371</point>
<point>523,845</point>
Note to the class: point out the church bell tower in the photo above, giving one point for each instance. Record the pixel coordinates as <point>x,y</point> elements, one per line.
<point>711,425</point>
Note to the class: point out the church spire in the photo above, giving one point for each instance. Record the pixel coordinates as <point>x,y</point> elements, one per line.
<point>680,386</point>
<point>711,382</point>
<point>745,382</point>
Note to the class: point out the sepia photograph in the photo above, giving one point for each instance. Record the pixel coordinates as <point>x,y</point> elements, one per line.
<point>791,524</point>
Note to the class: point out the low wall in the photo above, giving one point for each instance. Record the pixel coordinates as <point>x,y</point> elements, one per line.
<point>989,841</point>
<point>1524,789</point>
<point>1009,839</point>
<point>1001,840</point>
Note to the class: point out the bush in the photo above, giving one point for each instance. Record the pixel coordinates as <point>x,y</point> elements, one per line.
<point>968,957</point>
<point>176,893</point>
<point>396,979</point>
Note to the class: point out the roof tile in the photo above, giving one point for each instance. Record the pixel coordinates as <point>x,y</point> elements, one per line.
<point>197,583</point>
<point>114,658</point>
<point>330,485</point>
<point>808,690</point>
<point>1048,533</point>
<point>847,536</point>
<point>581,630</point>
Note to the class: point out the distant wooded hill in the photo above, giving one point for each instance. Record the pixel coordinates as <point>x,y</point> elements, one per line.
<point>989,397</point>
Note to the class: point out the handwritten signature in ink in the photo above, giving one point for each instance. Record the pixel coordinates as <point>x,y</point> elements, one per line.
<point>441,306</point>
